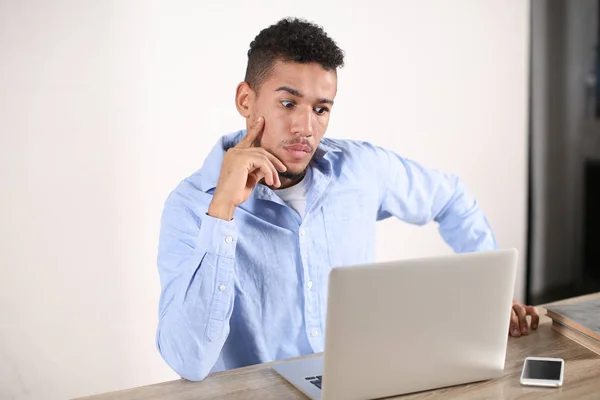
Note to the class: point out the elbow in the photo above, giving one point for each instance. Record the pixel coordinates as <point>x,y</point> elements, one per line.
<point>193,375</point>
<point>185,358</point>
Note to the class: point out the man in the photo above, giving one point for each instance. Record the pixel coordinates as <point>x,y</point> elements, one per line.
<point>247,242</point>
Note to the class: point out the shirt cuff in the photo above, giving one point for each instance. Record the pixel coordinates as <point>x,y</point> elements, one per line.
<point>218,236</point>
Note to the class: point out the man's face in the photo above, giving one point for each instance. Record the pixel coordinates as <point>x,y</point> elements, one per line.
<point>295,101</point>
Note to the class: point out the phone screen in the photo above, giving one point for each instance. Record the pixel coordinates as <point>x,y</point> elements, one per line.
<point>542,369</point>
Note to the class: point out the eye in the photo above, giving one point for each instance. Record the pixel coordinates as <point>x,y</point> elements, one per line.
<point>321,110</point>
<point>288,103</point>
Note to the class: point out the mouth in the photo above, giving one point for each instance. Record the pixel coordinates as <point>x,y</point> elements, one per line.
<point>298,151</point>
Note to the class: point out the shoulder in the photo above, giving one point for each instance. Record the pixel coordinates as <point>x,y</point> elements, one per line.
<point>356,151</point>
<point>346,145</point>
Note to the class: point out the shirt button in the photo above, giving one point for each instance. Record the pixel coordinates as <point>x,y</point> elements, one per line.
<point>228,239</point>
<point>302,232</point>
<point>314,333</point>
<point>222,288</point>
<point>309,284</point>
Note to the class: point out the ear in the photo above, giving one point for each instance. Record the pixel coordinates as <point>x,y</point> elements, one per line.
<point>244,99</point>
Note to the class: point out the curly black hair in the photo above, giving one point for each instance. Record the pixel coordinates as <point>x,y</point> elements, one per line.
<point>290,39</point>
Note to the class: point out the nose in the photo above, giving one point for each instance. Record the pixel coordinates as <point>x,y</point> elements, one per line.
<point>303,123</point>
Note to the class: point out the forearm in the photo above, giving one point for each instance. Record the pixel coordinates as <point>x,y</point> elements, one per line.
<point>197,304</point>
<point>195,326</point>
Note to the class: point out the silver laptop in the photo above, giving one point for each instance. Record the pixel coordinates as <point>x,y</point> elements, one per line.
<point>413,325</point>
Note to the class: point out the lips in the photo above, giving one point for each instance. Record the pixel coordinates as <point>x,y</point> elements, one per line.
<point>298,151</point>
<point>299,147</point>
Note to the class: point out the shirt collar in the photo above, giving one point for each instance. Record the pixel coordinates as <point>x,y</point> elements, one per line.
<point>212,165</point>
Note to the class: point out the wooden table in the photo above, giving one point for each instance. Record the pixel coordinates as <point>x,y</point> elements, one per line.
<point>581,377</point>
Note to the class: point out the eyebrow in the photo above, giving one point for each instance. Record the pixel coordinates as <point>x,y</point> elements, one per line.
<point>296,93</point>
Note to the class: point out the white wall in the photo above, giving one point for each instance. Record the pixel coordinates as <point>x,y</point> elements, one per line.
<point>105,106</point>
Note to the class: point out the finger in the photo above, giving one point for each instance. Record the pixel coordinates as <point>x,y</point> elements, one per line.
<point>267,169</point>
<point>276,162</point>
<point>252,134</point>
<point>514,324</point>
<point>535,316</point>
<point>522,314</point>
<point>276,181</point>
<point>268,159</point>
<point>279,166</point>
<point>254,178</point>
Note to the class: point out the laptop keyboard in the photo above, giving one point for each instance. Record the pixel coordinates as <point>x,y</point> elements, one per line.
<point>315,380</point>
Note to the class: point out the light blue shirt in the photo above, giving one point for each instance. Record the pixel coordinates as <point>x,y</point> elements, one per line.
<point>254,289</point>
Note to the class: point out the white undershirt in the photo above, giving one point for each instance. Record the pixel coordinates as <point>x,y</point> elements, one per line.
<point>295,196</point>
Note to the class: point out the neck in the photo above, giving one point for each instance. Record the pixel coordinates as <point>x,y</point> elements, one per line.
<point>286,183</point>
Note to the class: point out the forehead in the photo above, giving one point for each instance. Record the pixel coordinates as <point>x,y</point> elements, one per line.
<point>310,79</point>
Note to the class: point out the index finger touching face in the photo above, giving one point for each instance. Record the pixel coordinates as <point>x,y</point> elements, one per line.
<point>254,132</point>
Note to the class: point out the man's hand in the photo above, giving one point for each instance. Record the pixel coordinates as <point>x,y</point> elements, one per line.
<point>243,167</point>
<point>518,319</point>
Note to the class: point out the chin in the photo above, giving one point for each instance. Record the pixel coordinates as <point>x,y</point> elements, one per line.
<point>296,169</point>
<point>293,174</point>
